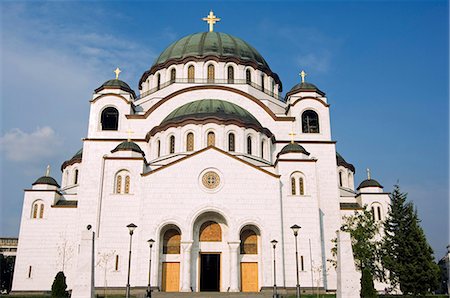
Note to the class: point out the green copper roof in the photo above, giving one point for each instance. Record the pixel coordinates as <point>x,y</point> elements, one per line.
<point>77,157</point>
<point>340,161</point>
<point>128,146</point>
<point>293,148</point>
<point>211,108</point>
<point>369,183</point>
<point>305,86</point>
<point>211,43</point>
<point>46,180</point>
<point>116,83</point>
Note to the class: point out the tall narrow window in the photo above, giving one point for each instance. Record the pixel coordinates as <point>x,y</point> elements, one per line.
<point>293,186</point>
<point>190,142</point>
<point>116,265</point>
<point>210,73</point>
<point>230,74</point>
<point>158,81</point>
<point>302,264</point>
<point>340,178</point>
<point>310,122</point>
<point>110,119</point>
<point>262,149</point>
<point>119,184</point>
<point>29,272</point>
<point>379,213</point>
<point>211,139</point>
<point>173,75</point>
<point>191,74</point>
<point>302,186</point>
<point>273,87</point>
<point>127,184</point>
<point>248,76</point>
<point>75,179</point>
<point>249,145</point>
<point>35,210</point>
<point>158,148</point>
<point>231,142</point>
<point>41,211</point>
<point>172,144</point>
<point>262,82</point>
<point>373,213</point>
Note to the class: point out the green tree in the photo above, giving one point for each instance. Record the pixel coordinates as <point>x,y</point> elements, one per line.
<point>406,253</point>
<point>59,285</point>
<point>367,287</point>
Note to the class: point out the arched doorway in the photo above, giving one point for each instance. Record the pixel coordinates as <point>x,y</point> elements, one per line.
<point>170,238</point>
<point>211,251</point>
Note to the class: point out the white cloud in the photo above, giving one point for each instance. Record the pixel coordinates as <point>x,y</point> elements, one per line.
<point>20,146</point>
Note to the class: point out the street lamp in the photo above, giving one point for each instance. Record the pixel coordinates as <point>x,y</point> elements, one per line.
<point>295,229</point>
<point>131,227</point>
<point>274,244</point>
<point>149,289</point>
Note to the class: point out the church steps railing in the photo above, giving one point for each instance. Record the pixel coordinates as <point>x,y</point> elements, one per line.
<point>210,81</point>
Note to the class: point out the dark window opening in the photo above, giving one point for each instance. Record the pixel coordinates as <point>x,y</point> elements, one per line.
<point>310,122</point>
<point>110,119</point>
<point>230,75</point>
<point>231,142</point>
<point>249,145</point>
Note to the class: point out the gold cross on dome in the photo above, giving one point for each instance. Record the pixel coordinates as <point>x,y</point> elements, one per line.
<point>303,75</point>
<point>129,132</point>
<point>368,173</point>
<point>47,173</point>
<point>211,19</point>
<point>117,72</point>
<point>292,134</point>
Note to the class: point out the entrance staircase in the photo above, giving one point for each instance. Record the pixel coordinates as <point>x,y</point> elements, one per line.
<point>211,295</point>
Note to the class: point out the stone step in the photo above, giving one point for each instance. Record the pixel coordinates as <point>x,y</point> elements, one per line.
<point>210,295</point>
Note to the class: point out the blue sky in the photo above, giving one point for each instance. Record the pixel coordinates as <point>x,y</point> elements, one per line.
<point>383,65</point>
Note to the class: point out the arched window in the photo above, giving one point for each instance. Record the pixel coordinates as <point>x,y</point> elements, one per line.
<point>119,184</point>
<point>211,139</point>
<point>340,179</point>
<point>263,144</point>
<point>38,209</point>
<point>249,145</point>
<point>110,119</point>
<point>172,144</point>
<point>230,74</point>
<point>262,82</point>
<point>75,179</point>
<point>158,81</point>
<point>173,75</point>
<point>190,142</point>
<point>211,74</point>
<point>310,122</point>
<point>191,74</point>
<point>127,184</point>
<point>231,142</point>
<point>302,186</point>
<point>210,231</point>
<point>273,87</point>
<point>248,76</point>
<point>158,148</point>
<point>249,242</point>
<point>297,184</point>
<point>171,242</point>
<point>41,211</point>
<point>35,210</point>
<point>293,186</point>
<point>379,212</point>
<point>373,213</point>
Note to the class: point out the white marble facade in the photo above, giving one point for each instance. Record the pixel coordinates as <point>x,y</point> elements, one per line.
<point>161,188</point>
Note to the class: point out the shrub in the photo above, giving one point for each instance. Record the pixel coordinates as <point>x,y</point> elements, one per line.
<point>59,286</point>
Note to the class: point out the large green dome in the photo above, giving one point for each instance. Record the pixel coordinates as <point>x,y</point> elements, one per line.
<point>216,46</point>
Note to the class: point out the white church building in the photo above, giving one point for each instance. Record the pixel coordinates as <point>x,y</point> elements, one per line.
<point>209,161</point>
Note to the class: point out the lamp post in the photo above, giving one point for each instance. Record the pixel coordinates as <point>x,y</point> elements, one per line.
<point>274,244</point>
<point>149,288</point>
<point>295,229</point>
<point>131,228</point>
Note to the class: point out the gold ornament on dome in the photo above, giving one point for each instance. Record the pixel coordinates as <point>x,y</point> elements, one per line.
<point>211,180</point>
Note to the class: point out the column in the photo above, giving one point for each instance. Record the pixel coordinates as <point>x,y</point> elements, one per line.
<point>186,247</point>
<point>84,283</point>
<point>234,266</point>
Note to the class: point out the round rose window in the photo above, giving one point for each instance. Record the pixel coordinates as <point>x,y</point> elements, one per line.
<point>211,180</point>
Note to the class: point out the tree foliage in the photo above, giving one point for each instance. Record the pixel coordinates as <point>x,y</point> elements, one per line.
<point>406,253</point>
<point>367,287</point>
<point>59,286</point>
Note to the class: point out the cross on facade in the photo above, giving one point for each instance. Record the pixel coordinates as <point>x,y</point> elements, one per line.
<point>303,75</point>
<point>211,19</point>
<point>117,72</point>
<point>368,173</point>
<point>292,134</point>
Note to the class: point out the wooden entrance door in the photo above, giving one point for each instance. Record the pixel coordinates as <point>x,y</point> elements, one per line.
<point>170,277</point>
<point>249,277</point>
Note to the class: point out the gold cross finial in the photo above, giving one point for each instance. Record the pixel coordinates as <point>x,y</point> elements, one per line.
<point>303,75</point>
<point>292,133</point>
<point>368,173</point>
<point>129,132</point>
<point>211,19</point>
<point>117,72</point>
<point>47,173</point>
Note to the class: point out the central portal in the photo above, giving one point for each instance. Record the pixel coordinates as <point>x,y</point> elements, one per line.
<point>210,273</point>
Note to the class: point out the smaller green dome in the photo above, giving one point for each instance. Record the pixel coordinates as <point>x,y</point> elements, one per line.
<point>369,183</point>
<point>116,84</point>
<point>293,148</point>
<point>128,146</point>
<point>304,86</point>
<point>77,158</point>
<point>46,180</point>
<point>340,161</point>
